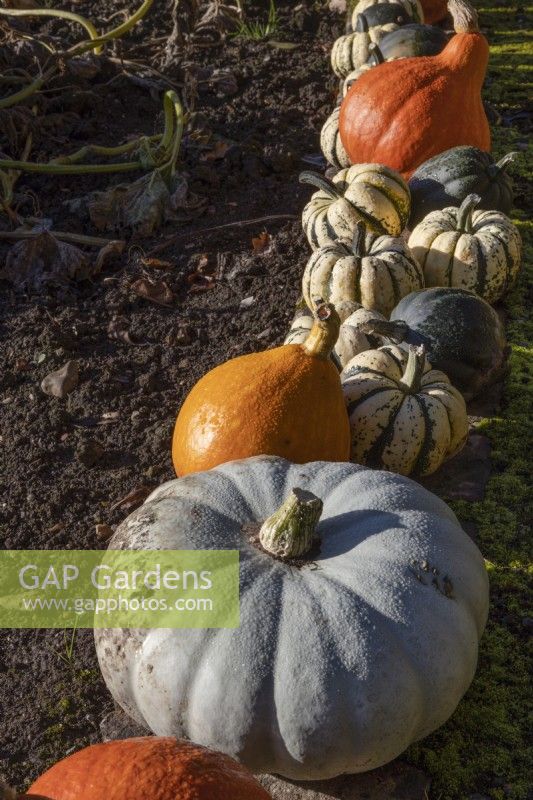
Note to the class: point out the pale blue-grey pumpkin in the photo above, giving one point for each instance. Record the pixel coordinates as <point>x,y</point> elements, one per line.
<point>342,657</point>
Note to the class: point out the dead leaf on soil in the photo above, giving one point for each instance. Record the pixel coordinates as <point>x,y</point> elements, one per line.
<point>199,282</point>
<point>261,243</point>
<point>118,328</point>
<point>156,263</point>
<point>141,206</point>
<point>133,499</point>
<point>217,152</point>
<point>110,250</point>
<point>156,291</point>
<point>43,260</point>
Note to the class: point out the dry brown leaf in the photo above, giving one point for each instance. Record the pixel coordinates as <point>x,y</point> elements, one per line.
<point>133,499</point>
<point>156,291</point>
<point>217,152</point>
<point>156,263</point>
<point>199,282</point>
<point>118,328</point>
<point>108,251</point>
<point>262,242</point>
<point>32,264</point>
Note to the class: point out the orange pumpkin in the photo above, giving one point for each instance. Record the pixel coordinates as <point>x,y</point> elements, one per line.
<point>150,768</point>
<point>434,10</point>
<point>404,112</point>
<point>285,402</point>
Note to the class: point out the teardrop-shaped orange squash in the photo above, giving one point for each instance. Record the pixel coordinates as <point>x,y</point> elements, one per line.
<point>285,402</point>
<point>148,768</point>
<point>404,112</point>
<point>434,10</point>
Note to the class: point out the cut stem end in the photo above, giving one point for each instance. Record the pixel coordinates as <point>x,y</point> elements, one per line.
<point>291,530</point>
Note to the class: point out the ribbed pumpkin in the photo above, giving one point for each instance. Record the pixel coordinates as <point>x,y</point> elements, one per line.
<point>351,339</point>
<point>286,401</point>
<point>352,50</point>
<point>434,10</point>
<point>370,193</point>
<point>148,768</point>
<point>405,416</point>
<point>375,271</point>
<point>412,7</point>
<point>402,113</point>
<point>446,179</point>
<point>476,250</point>
<point>461,332</point>
<point>330,142</point>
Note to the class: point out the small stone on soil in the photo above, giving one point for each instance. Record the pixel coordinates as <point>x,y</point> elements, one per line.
<point>62,381</point>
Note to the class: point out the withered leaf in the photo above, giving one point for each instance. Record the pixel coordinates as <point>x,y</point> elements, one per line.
<point>118,328</point>
<point>114,248</point>
<point>199,282</point>
<point>156,291</point>
<point>43,260</point>
<point>133,499</point>
<point>262,242</point>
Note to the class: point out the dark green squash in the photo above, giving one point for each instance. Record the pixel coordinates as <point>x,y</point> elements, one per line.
<point>381,14</point>
<point>448,178</point>
<point>462,335</point>
<point>409,41</point>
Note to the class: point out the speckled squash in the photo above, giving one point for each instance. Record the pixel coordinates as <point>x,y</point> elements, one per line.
<point>284,401</point>
<point>468,249</point>
<point>352,50</point>
<point>370,193</point>
<point>446,179</point>
<point>148,768</point>
<point>374,271</point>
<point>330,142</point>
<point>400,113</point>
<point>342,658</point>
<point>405,416</point>
<point>461,332</point>
<point>413,8</point>
<point>351,340</point>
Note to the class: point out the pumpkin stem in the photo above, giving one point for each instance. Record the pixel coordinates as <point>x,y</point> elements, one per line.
<point>358,241</point>
<point>325,331</point>
<point>290,531</point>
<point>464,214</point>
<point>501,165</point>
<point>395,331</point>
<point>361,25</point>
<point>464,16</point>
<point>412,377</point>
<point>321,182</point>
<point>376,56</point>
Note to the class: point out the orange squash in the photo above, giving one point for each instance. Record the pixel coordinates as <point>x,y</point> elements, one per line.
<point>285,402</point>
<point>150,768</point>
<point>404,112</point>
<point>434,10</point>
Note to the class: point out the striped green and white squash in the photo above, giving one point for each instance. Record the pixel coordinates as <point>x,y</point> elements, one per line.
<point>351,339</point>
<point>405,416</point>
<point>413,8</point>
<point>375,271</point>
<point>330,142</point>
<point>371,193</point>
<point>467,249</point>
<point>352,50</point>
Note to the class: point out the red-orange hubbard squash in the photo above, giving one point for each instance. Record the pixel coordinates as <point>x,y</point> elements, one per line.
<point>404,112</point>
<point>149,768</point>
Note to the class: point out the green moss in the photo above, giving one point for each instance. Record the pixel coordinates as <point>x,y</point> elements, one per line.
<point>483,748</point>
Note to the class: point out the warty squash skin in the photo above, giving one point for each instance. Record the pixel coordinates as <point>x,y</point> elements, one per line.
<point>148,768</point>
<point>373,271</point>
<point>405,416</point>
<point>286,401</point>
<point>402,113</point>
<point>339,663</point>
<point>476,250</point>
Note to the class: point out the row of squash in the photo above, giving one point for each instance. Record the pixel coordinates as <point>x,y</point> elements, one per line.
<point>350,649</point>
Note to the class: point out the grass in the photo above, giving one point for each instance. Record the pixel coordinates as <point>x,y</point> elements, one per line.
<point>258,31</point>
<point>484,748</point>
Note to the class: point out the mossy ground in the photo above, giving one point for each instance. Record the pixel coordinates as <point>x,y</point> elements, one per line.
<point>484,748</point>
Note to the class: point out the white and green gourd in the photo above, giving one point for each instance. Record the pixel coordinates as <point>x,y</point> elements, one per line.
<point>412,8</point>
<point>358,634</point>
<point>371,193</point>
<point>351,51</point>
<point>405,416</point>
<point>351,339</point>
<point>476,250</point>
<point>354,75</point>
<point>370,270</point>
<point>330,142</point>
